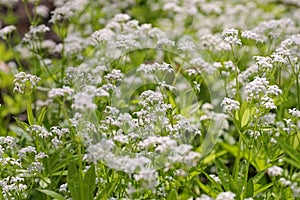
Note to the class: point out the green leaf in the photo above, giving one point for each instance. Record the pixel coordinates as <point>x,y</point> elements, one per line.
<point>258,176</point>
<point>241,179</point>
<point>89,183</point>
<point>245,117</point>
<point>30,113</point>
<point>263,188</point>
<point>211,157</point>
<point>214,183</point>
<point>41,116</point>
<point>226,178</point>
<point>52,194</point>
<point>249,189</point>
<point>288,149</point>
<point>292,162</point>
<point>207,189</point>
<point>237,115</point>
<point>194,173</point>
<point>172,195</point>
<point>233,149</point>
<point>22,125</point>
<point>75,182</point>
<point>108,189</point>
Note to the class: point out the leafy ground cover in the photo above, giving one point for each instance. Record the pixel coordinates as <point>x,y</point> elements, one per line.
<point>159,99</point>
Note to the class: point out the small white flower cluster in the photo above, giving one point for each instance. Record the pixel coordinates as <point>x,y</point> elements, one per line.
<point>259,89</point>
<point>103,35</point>
<point>215,178</point>
<point>33,34</point>
<point>40,131</point>
<point>226,195</point>
<point>275,171</point>
<point>60,92</point>
<point>29,149</point>
<point>155,67</point>
<point>230,105</point>
<point>62,13</point>
<point>274,29</point>
<point>150,98</point>
<point>85,100</point>
<point>203,66</point>
<point>252,36</point>
<point>35,167</point>
<point>9,3</point>
<point>9,142</point>
<point>6,31</point>
<point>214,43</point>
<point>42,11</point>
<point>289,49</point>
<point>264,62</point>
<point>11,185</point>
<point>63,188</point>
<point>185,44</point>
<point>204,197</point>
<point>115,76</point>
<point>294,112</point>
<point>231,36</point>
<point>25,82</point>
<point>162,144</point>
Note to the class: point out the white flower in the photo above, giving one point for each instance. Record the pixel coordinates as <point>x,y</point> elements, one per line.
<point>103,35</point>
<point>6,31</point>
<point>204,197</point>
<point>42,10</point>
<point>35,167</point>
<point>40,155</point>
<point>8,3</point>
<point>226,195</point>
<point>230,36</point>
<point>295,112</point>
<point>56,92</point>
<point>275,171</point>
<point>61,13</point>
<point>40,131</point>
<point>63,187</point>
<point>121,17</point>
<point>285,182</point>
<point>274,90</point>
<point>22,78</point>
<point>216,178</point>
<point>278,58</point>
<point>268,103</point>
<point>56,142</point>
<point>264,62</point>
<point>250,35</point>
<point>85,100</point>
<point>256,88</point>
<point>230,104</point>
<point>22,152</point>
<point>114,76</point>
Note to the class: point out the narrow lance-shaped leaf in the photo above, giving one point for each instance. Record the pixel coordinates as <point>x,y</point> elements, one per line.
<point>249,189</point>
<point>52,194</point>
<point>89,183</point>
<point>226,178</point>
<point>75,182</point>
<point>241,179</point>
<point>41,116</point>
<point>290,151</point>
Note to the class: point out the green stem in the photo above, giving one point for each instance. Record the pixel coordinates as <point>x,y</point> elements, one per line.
<point>238,157</point>
<point>236,73</point>
<point>27,12</point>
<point>298,90</point>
